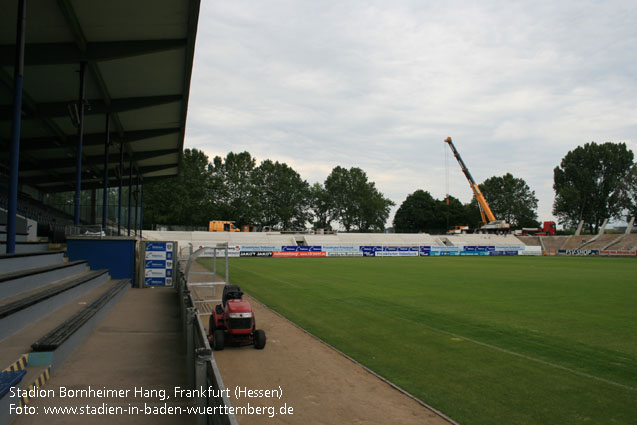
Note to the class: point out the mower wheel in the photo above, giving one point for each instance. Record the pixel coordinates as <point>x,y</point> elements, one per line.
<point>259,339</point>
<point>218,340</point>
<point>211,325</point>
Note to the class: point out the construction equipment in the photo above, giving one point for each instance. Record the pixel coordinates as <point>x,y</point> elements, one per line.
<point>489,222</point>
<point>548,229</point>
<point>222,226</point>
<point>458,230</point>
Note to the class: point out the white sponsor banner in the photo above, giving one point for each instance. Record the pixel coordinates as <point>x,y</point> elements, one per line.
<point>155,272</point>
<point>344,254</point>
<point>233,251</point>
<point>260,248</point>
<point>340,248</point>
<point>447,248</point>
<point>155,255</point>
<point>397,254</point>
<point>531,250</point>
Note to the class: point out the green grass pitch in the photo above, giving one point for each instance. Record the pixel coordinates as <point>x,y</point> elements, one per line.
<point>484,340</point>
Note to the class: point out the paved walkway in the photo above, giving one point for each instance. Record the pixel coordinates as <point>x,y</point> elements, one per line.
<point>139,345</point>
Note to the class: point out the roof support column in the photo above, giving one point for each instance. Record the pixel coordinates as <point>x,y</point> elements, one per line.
<point>136,201</point>
<point>105,194</point>
<point>119,192</point>
<point>141,209</point>
<point>130,191</point>
<point>80,140</point>
<point>16,123</point>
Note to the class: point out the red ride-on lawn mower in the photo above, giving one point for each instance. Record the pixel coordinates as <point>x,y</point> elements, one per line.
<point>232,322</point>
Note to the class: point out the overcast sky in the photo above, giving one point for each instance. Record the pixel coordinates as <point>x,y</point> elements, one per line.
<point>379,85</point>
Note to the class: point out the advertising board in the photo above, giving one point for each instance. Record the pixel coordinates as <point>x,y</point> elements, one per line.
<point>158,263</point>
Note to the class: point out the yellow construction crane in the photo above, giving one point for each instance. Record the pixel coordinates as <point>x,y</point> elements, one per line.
<point>489,222</point>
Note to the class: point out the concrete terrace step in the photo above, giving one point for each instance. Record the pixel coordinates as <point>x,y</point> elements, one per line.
<point>17,282</point>
<point>21,261</point>
<point>54,347</point>
<point>15,346</point>
<point>19,311</point>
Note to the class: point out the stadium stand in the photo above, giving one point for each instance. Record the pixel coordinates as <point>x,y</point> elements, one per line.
<point>574,242</point>
<point>476,239</point>
<point>598,242</point>
<point>530,240</point>
<point>43,294</point>
<point>339,239</point>
<point>212,238</point>
<point>623,242</point>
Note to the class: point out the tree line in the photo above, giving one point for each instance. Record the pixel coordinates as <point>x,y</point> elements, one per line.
<point>592,182</point>
<point>509,198</point>
<point>269,195</point>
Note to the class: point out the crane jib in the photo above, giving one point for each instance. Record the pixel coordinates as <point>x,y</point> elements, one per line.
<point>463,166</point>
<point>485,210</point>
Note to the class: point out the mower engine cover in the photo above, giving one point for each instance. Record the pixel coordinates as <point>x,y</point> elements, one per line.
<point>239,317</point>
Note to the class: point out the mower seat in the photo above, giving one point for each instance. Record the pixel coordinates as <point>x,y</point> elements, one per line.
<point>231,292</point>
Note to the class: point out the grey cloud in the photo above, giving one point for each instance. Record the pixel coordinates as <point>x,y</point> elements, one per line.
<point>379,85</point>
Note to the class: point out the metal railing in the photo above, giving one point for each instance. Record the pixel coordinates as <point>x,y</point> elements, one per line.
<point>201,366</point>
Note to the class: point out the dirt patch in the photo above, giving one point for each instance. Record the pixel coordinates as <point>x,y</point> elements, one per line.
<point>321,385</point>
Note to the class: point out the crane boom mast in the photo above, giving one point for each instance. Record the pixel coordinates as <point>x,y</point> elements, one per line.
<point>485,210</point>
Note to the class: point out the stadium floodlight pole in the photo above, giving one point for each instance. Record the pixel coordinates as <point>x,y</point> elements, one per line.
<point>16,124</point>
<point>80,142</point>
<point>107,142</point>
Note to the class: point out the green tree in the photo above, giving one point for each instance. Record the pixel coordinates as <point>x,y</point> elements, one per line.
<point>281,196</point>
<point>321,207</point>
<point>589,184</point>
<point>186,199</point>
<point>236,195</point>
<point>511,199</point>
<point>419,212</point>
<point>630,193</point>
<point>356,201</point>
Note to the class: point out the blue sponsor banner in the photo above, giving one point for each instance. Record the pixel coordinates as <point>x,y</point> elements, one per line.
<point>474,252</point>
<point>156,246</point>
<point>503,253</point>
<point>294,248</point>
<point>400,248</point>
<point>370,250</point>
<point>156,264</point>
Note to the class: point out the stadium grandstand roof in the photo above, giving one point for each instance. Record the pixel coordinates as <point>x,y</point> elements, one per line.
<point>138,58</point>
